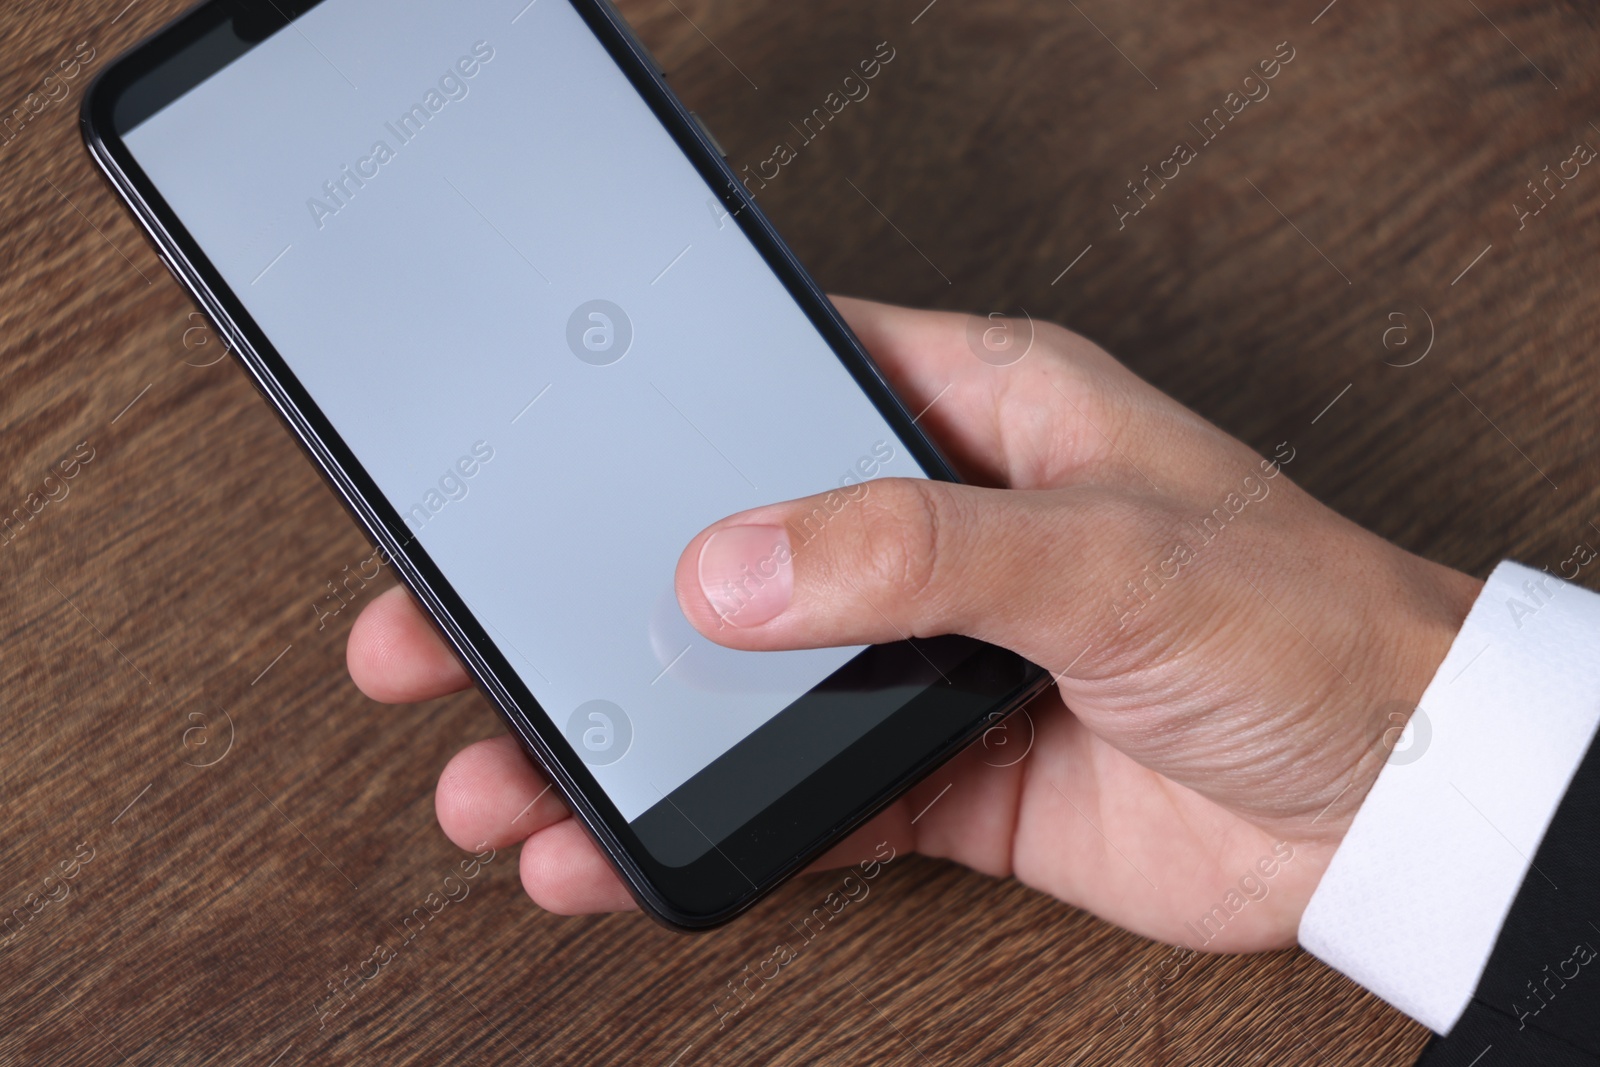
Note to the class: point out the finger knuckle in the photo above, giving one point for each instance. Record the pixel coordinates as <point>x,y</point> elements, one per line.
<point>906,523</point>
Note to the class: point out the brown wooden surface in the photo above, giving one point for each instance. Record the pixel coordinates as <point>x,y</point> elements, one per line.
<point>149,603</point>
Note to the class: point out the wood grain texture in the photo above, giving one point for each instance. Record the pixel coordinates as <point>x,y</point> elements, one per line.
<point>171,590</point>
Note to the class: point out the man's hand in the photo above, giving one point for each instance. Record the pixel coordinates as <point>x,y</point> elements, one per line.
<point>1231,656</point>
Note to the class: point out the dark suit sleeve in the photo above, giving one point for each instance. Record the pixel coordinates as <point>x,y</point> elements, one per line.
<point>1538,1001</point>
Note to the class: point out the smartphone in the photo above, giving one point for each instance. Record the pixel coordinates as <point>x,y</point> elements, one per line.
<point>505,291</point>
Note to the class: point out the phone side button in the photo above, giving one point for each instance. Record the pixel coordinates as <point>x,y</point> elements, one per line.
<point>700,122</point>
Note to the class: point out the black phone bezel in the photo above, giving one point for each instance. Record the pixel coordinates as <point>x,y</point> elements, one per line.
<point>985,684</point>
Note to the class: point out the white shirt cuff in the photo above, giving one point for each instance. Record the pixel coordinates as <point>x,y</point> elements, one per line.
<point>1413,901</point>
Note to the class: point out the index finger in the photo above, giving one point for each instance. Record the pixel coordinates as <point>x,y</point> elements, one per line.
<point>396,656</point>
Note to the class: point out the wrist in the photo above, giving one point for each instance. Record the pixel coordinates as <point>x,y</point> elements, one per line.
<point>1414,901</point>
<point>1412,629</point>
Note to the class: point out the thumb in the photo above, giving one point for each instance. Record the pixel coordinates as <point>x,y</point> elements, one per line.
<point>896,558</point>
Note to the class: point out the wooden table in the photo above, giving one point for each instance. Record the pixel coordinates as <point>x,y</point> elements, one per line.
<point>1342,265</point>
